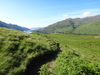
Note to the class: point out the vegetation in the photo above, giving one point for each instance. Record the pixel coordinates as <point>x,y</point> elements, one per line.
<point>18,48</point>
<point>69,63</point>
<point>13,26</point>
<point>80,55</point>
<point>88,47</point>
<point>87,26</point>
<point>92,28</point>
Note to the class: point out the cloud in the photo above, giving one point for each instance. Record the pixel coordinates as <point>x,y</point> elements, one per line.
<point>86,14</point>
<point>65,16</point>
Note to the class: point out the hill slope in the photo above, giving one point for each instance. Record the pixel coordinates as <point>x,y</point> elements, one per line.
<point>80,56</point>
<point>13,26</point>
<point>89,28</point>
<point>18,48</point>
<point>23,53</point>
<point>73,26</point>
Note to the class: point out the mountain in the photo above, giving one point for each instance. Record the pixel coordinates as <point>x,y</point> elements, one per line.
<point>13,26</point>
<point>88,25</point>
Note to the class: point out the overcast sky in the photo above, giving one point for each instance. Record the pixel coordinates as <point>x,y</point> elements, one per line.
<point>41,13</point>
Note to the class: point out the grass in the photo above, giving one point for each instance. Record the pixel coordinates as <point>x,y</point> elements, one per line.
<point>87,47</point>
<point>18,48</point>
<point>79,56</point>
<point>80,53</point>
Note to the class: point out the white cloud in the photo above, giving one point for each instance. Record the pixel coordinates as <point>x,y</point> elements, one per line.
<point>65,16</point>
<point>86,14</point>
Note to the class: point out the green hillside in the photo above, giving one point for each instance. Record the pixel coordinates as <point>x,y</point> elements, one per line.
<point>85,45</point>
<point>80,56</point>
<point>89,25</point>
<point>53,54</point>
<point>13,26</point>
<point>18,48</point>
<point>89,28</point>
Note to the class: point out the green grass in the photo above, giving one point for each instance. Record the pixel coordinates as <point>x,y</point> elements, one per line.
<point>80,55</point>
<point>86,46</point>
<point>69,63</point>
<point>18,48</point>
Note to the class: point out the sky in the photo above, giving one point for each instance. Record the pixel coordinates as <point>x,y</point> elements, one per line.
<point>41,13</point>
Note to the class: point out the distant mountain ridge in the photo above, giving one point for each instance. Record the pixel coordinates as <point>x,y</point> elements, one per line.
<point>13,26</point>
<point>88,25</point>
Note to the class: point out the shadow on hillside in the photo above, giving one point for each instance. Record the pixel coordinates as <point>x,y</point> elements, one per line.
<point>35,63</point>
